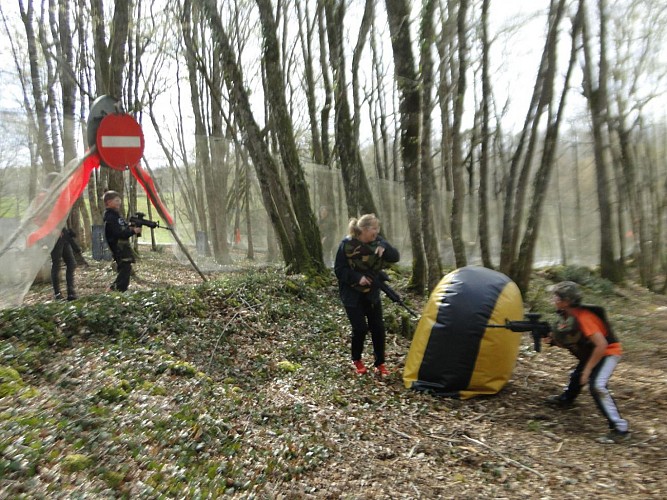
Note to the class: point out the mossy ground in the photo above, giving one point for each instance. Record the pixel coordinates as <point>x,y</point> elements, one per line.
<point>241,386</point>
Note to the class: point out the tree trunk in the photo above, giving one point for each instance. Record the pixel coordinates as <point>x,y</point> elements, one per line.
<point>44,150</point>
<point>525,259</point>
<point>398,15</point>
<point>517,180</point>
<point>362,38</point>
<point>458,199</point>
<point>282,218</point>
<point>65,56</point>
<point>358,194</point>
<point>434,267</point>
<point>298,187</point>
<point>445,50</point>
<point>306,38</point>
<point>216,196</point>
<point>326,83</point>
<point>203,185</point>
<point>596,95</point>
<point>483,217</point>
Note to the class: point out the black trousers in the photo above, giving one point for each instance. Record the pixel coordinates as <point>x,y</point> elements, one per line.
<point>124,269</point>
<point>62,252</point>
<point>365,317</point>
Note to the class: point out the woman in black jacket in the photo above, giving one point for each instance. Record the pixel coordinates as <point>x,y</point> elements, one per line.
<point>360,258</point>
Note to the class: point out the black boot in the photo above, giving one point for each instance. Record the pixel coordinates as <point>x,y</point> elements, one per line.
<point>560,401</point>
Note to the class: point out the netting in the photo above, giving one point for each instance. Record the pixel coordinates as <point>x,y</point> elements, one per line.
<point>24,250</point>
<point>249,234</point>
<point>250,231</point>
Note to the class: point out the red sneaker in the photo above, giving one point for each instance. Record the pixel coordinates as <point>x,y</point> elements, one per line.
<point>381,370</point>
<point>360,367</point>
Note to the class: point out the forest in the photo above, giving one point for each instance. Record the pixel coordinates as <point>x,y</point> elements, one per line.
<point>521,135</point>
<point>506,134</point>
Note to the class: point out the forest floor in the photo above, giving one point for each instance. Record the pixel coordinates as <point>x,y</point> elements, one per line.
<point>245,390</point>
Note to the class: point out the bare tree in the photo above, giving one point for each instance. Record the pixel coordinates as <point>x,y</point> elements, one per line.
<point>293,246</point>
<point>458,200</point>
<point>307,26</point>
<point>206,98</point>
<point>377,108</point>
<point>43,140</point>
<point>326,82</point>
<point>523,267</point>
<point>407,81</point>
<point>519,174</point>
<point>284,131</point>
<point>427,181</point>
<point>633,49</point>
<point>595,90</point>
<point>486,141</point>
<point>358,194</point>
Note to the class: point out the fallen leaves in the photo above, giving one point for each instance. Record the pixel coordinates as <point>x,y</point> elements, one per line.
<point>242,387</point>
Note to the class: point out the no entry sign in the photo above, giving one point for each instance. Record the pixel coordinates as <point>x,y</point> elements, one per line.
<point>120,141</point>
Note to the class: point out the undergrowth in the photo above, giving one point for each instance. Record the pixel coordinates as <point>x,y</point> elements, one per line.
<point>193,391</point>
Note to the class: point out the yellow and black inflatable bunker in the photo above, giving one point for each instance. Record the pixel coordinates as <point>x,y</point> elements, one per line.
<point>453,353</point>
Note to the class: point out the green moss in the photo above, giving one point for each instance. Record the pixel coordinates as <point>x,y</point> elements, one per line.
<point>183,369</point>
<point>534,426</point>
<point>288,366</point>
<point>76,462</point>
<point>114,479</point>
<point>99,410</point>
<point>112,394</point>
<point>10,381</point>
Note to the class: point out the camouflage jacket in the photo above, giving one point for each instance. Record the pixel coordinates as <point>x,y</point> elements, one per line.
<point>354,260</point>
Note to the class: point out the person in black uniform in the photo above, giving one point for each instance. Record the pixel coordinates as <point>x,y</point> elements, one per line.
<point>63,251</point>
<point>360,259</point>
<point>118,233</point>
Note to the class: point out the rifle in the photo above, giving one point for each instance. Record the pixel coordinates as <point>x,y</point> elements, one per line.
<point>382,278</point>
<point>138,220</point>
<point>531,323</point>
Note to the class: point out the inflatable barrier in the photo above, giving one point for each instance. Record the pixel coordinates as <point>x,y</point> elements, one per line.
<point>453,353</point>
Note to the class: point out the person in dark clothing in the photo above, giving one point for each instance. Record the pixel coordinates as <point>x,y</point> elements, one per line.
<point>585,331</point>
<point>118,233</point>
<point>327,226</point>
<point>63,251</point>
<point>360,258</point>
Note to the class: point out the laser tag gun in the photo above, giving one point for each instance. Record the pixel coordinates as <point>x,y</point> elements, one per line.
<point>137,220</point>
<point>382,279</point>
<point>531,323</point>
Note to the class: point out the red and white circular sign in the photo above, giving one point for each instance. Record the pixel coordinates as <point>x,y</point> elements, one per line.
<point>120,141</point>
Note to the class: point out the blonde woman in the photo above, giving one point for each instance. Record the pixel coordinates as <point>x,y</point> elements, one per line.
<point>360,258</point>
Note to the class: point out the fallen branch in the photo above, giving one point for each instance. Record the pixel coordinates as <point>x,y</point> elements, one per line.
<point>508,460</point>
<point>403,434</point>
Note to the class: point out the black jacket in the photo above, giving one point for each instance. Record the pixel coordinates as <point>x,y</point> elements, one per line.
<point>349,270</point>
<point>118,233</point>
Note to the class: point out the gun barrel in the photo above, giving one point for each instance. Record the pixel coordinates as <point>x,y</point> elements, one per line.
<point>538,329</point>
<point>139,221</point>
<point>395,297</point>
